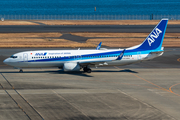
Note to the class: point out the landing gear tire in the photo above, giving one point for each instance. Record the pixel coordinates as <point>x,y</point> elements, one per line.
<point>85,69</point>
<point>88,70</point>
<point>21,71</point>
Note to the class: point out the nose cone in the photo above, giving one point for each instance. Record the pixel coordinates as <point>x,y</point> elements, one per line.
<point>6,61</point>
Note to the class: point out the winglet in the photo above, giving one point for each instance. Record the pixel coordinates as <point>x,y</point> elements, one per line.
<point>99,46</point>
<point>121,55</point>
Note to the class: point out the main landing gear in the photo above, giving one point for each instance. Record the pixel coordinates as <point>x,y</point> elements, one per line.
<point>21,71</point>
<point>86,69</point>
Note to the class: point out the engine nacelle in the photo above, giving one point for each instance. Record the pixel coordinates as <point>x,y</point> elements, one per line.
<point>71,66</point>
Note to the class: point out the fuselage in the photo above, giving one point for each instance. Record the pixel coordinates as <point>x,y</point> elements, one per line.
<point>57,58</point>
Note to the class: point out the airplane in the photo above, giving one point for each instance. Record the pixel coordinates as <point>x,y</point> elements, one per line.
<point>75,60</point>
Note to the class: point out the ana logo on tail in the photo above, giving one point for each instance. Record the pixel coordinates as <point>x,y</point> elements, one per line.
<point>155,34</point>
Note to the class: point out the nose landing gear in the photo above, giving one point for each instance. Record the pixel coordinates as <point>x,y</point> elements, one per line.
<point>21,71</point>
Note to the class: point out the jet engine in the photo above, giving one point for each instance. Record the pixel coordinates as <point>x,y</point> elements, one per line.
<point>71,66</point>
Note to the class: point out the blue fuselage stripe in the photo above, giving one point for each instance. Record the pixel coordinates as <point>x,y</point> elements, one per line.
<point>87,56</point>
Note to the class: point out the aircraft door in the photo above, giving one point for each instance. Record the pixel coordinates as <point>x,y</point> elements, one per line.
<point>139,55</point>
<point>25,57</point>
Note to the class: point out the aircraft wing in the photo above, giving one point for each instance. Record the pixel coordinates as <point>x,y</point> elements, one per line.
<point>121,55</point>
<point>91,62</point>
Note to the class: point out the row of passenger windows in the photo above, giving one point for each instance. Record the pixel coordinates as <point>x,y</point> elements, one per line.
<point>127,55</point>
<point>47,57</point>
<point>77,56</point>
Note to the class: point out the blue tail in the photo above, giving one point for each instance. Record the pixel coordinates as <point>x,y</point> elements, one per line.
<point>155,38</point>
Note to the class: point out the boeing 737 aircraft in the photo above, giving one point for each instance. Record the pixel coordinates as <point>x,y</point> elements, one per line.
<point>75,60</point>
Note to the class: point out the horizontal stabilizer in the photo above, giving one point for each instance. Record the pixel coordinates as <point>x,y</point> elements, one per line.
<point>156,52</point>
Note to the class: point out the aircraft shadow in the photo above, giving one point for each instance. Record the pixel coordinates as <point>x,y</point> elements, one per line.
<point>78,73</point>
<point>113,71</point>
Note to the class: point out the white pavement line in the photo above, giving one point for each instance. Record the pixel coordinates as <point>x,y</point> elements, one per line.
<point>135,98</point>
<point>101,101</point>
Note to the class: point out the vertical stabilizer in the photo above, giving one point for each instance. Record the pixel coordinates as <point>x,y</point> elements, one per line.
<point>155,38</point>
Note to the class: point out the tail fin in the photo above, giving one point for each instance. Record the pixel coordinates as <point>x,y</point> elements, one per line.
<point>155,38</point>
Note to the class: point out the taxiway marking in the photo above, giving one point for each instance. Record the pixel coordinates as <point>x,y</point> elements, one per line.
<point>155,84</point>
<point>178,59</point>
<point>170,89</point>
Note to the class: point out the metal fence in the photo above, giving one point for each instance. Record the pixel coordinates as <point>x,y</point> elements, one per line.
<point>89,17</point>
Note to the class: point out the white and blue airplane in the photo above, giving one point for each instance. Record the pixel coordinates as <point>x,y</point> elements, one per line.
<point>75,60</point>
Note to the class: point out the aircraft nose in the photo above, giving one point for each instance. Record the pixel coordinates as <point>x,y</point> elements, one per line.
<point>6,61</point>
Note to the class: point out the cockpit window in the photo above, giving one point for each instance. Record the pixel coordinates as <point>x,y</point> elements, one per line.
<point>13,56</point>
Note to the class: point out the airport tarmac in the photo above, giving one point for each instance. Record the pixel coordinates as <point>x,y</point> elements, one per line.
<point>145,91</point>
